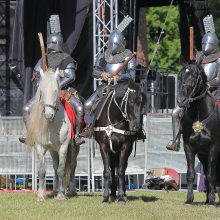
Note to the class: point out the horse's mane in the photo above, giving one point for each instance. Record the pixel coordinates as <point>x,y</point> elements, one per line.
<point>195,69</point>
<point>37,126</point>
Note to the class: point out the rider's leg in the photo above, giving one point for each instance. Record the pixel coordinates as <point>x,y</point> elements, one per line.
<point>78,107</point>
<point>177,115</point>
<point>141,134</point>
<point>88,105</point>
<point>26,112</point>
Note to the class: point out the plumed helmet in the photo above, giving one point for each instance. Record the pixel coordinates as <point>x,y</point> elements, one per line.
<point>116,42</point>
<point>55,42</point>
<point>55,39</point>
<point>210,43</point>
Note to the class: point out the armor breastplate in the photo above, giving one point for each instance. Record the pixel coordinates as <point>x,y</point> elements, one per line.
<point>210,70</point>
<point>112,67</point>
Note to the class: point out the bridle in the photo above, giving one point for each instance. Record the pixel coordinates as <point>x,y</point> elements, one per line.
<point>191,98</point>
<point>55,108</point>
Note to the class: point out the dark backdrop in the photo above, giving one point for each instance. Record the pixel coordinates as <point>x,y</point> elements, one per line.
<point>30,17</point>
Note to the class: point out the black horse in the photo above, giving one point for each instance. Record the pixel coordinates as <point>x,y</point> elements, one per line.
<point>115,131</point>
<point>200,127</point>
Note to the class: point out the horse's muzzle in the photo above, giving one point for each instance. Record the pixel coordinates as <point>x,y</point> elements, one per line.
<point>183,102</point>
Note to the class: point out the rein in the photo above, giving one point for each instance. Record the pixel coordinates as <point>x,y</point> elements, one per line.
<point>198,97</point>
<point>109,129</point>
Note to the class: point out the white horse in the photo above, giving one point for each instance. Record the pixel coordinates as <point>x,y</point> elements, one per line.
<point>49,128</point>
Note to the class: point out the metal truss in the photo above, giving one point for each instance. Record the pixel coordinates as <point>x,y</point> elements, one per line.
<point>4,49</point>
<point>105,19</point>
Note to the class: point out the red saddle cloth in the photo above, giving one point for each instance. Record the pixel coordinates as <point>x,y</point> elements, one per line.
<point>71,115</point>
<point>216,100</point>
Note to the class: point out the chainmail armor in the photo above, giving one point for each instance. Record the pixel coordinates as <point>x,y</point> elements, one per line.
<point>117,58</point>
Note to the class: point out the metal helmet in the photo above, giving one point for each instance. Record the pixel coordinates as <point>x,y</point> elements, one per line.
<point>116,42</point>
<point>210,43</point>
<point>55,39</point>
<point>55,42</point>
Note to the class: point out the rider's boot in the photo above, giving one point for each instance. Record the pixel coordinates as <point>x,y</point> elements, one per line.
<point>177,115</point>
<point>141,135</point>
<point>22,139</point>
<point>78,140</point>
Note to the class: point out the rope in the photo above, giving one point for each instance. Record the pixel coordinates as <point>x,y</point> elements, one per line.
<point>158,41</point>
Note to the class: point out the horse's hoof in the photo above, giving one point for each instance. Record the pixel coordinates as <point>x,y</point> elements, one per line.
<point>60,197</point>
<point>71,194</point>
<point>52,194</point>
<point>189,204</point>
<point>113,198</point>
<point>212,206</point>
<point>40,199</point>
<point>105,200</point>
<point>122,200</point>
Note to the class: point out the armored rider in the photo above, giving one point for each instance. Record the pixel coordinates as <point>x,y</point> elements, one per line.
<point>211,65</point>
<point>106,64</point>
<point>58,58</point>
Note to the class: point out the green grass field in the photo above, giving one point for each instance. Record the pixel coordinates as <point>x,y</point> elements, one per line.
<point>140,205</point>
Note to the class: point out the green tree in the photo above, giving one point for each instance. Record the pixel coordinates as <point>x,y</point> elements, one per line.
<point>169,50</point>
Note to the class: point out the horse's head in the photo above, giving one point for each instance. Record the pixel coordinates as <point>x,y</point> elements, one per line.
<point>49,92</point>
<point>191,84</point>
<point>133,108</point>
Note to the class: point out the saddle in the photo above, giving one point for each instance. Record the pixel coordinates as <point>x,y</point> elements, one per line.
<point>105,91</point>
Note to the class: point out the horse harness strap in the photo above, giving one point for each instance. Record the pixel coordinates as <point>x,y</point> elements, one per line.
<point>109,129</point>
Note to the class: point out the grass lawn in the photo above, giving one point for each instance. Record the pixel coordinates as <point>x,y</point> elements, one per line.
<point>140,205</point>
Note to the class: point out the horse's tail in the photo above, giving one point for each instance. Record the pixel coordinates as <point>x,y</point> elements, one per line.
<point>71,162</point>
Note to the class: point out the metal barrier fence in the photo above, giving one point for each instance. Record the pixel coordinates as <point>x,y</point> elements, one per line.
<point>149,154</point>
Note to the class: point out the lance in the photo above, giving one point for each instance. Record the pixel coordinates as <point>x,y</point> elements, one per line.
<point>43,52</point>
<point>191,42</point>
<point>120,68</point>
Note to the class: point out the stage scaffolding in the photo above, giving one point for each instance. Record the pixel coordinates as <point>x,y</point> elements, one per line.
<point>105,19</point>
<point>4,52</point>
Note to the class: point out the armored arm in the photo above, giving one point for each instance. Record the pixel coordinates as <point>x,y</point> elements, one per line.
<point>69,75</point>
<point>216,81</point>
<point>99,66</point>
<point>130,72</point>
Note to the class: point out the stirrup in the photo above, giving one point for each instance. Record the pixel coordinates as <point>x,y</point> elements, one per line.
<point>86,133</point>
<point>78,141</point>
<point>22,140</point>
<point>174,146</point>
<point>141,135</point>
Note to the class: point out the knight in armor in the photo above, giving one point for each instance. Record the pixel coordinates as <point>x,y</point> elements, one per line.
<point>211,64</point>
<point>58,58</point>
<point>106,64</point>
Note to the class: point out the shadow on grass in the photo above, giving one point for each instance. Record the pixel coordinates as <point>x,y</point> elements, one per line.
<point>143,198</point>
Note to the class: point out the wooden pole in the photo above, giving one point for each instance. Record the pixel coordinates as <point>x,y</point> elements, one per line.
<point>191,43</point>
<point>43,52</point>
<point>123,65</point>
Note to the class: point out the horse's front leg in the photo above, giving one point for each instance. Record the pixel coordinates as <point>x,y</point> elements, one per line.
<point>113,178</point>
<point>55,158</point>
<point>61,170</point>
<point>41,172</point>
<point>211,174</point>
<point>72,185</point>
<point>190,176</point>
<point>106,173</point>
<point>123,161</point>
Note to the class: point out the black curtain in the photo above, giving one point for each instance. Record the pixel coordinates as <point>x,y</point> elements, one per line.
<point>31,17</point>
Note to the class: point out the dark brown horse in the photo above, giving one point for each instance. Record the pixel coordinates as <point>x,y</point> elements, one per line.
<point>200,128</point>
<point>115,131</point>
